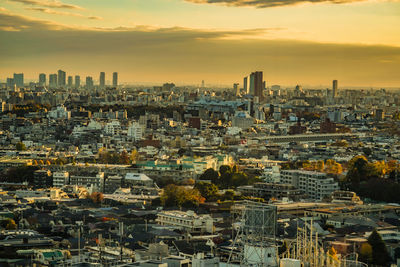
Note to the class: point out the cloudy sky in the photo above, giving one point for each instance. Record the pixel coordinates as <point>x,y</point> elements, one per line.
<point>219,41</point>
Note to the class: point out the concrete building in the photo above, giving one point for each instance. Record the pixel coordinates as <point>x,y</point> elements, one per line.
<point>113,128</point>
<point>102,79</point>
<point>243,120</point>
<point>70,81</point>
<point>115,79</point>
<point>315,184</point>
<point>334,88</point>
<point>53,80</point>
<point>19,79</point>
<point>60,179</point>
<point>188,221</point>
<point>93,180</point>
<point>135,130</point>
<point>77,81</point>
<point>61,78</point>
<point>42,79</point>
<point>60,112</point>
<point>89,83</point>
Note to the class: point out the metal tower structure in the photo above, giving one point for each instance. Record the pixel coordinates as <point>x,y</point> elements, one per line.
<point>256,235</point>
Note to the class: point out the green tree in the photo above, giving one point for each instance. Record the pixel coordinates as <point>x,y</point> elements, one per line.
<point>208,190</point>
<point>225,169</point>
<point>210,175</point>
<point>20,146</point>
<point>366,253</point>
<point>180,196</point>
<point>380,255</point>
<point>11,225</point>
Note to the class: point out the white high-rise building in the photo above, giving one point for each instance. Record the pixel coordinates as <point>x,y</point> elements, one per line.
<point>135,131</point>
<point>113,128</point>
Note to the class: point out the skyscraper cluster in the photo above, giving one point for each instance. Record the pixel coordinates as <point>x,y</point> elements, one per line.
<point>61,80</point>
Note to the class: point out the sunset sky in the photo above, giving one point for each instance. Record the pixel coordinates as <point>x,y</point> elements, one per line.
<point>219,41</point>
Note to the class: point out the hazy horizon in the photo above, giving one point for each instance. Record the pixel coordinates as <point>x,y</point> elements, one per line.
<point>219,41</point>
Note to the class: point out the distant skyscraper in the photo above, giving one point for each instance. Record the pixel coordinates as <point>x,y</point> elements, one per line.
<point>70,81</point>
<point>115,79</point>
<point>236,88</point>
<point>53,80</point>
<point>89,83</point>
<point>202,84</point>
<point>42,79</point>
<point>245,86</point>
<point>102,80</point>
<point>77,81</point>
<point>10,82</point>
<point>61,78</point>
<point>334,88</point>
<point>256,85</point>
<point>19,79</point>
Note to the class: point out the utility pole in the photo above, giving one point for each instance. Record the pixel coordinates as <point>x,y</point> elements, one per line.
<point>121,233</point>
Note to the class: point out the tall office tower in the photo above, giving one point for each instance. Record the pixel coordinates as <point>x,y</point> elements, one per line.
<point>10,82</point>
<point>42,79</point>
<point>102,80</point>
<point>236,88</point>
<point>61,78</point>
<point>115,79</point>
<point>53,80</point>
<point>77,81</point>
<point>89,83</point>
<point>245,86</point>
<point>334,88</point>
<point>202,84</point>
<point>19,79</point>
<point>70,81</point>
<point>256,85</point>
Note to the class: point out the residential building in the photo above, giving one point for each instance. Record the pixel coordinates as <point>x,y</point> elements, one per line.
<point>188,221</point>
<point>315,184</point>
<point>60,179</point>
<point>135,130</point>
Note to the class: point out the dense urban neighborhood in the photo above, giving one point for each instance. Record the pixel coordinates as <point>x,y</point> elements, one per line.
<point>99,174</point>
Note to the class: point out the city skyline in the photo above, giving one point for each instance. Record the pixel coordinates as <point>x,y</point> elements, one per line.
<point>293,42</point>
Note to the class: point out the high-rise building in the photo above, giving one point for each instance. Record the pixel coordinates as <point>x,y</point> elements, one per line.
<point>61,78</point>
<point>77,81</point>
<point>256,85</point>
<point>236,88</point>
<point>115,79</point>
<point>89,83</point>
<point>42,79</point>
<point>53,80</point>
<point>70,82</point>
<point>334,88</point>
<point>19,79</point>
<point>245,86</point>
<point>10,82</point>
<point>102,80</point>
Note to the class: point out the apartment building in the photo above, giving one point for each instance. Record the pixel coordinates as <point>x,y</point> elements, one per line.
<point>188,221</point>
<point>315,185</point>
